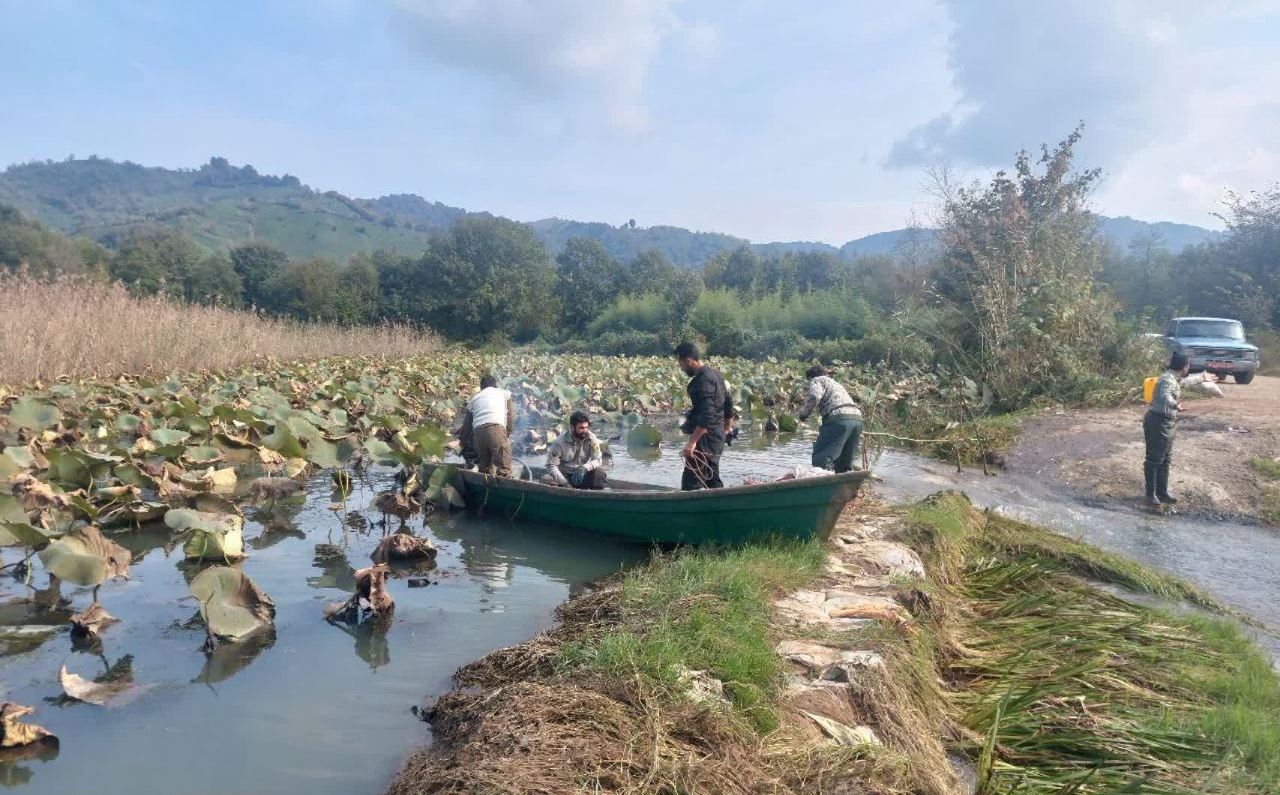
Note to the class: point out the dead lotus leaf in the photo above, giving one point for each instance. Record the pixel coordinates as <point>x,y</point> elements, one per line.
<point>88,623</point>
<point>371,589</point>
<point>232,604</point>
<point>273,488</point>
<point>119,689</point>
<point>86,557</point>
<point>14,733</point>
<point>403,547</point>
<point>35,493</point>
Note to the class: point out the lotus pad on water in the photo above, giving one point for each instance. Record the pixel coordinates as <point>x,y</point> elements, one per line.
<point>214,536</point>
<point>86,557</point>
<point>232,605</point>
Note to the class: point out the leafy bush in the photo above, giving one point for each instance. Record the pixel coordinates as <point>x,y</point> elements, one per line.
<point>649,313</point>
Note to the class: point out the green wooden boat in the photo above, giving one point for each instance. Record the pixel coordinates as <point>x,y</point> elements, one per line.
<point>801,508</point>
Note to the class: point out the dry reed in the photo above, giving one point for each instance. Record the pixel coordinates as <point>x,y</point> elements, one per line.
<point>84,328</point>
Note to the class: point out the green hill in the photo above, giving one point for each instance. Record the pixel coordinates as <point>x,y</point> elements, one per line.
<point>220,206</point>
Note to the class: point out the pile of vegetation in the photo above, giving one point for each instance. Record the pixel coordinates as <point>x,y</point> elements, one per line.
<point>1066,688</point>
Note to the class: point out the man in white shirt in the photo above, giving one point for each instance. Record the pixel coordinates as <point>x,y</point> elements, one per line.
<point>491,417</point>
<point>576,458</point>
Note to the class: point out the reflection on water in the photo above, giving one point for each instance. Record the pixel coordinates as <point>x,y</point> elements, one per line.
<point>311,707</point>
<point>306,706</point>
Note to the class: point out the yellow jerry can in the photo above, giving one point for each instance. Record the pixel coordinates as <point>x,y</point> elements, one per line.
<point>1149,388</point>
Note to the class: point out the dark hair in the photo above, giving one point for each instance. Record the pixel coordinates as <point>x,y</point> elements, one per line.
<point>488,381</point>
<point>687,350</point>
<point>579,416</point>
<point>1178,361</point>
<point>815,371</point>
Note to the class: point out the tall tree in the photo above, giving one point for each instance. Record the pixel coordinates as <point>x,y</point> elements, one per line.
<point>257,264</point>
<point>587,281</point>
<point>648,273</point>
<point>489,278</point>
<point>212,280</point>
<point>153,261</point>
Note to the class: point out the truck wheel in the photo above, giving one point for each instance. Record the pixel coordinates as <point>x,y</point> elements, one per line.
<point>1245,377</point>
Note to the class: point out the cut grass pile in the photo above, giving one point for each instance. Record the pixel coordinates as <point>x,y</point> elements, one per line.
<point>1075,690</point>
<point>703,610</point>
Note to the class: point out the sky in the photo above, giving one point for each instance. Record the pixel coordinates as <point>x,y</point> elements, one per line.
<point>786,120</point>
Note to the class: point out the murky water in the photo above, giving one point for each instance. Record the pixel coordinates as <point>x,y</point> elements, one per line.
<point>321,709</point>
<point>318,708</point>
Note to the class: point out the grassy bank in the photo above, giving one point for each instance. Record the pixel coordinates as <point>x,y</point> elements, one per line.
<point>83,328</point>
<point>705,611</point>
<point>1068,689</point>
<point>1011,658</point>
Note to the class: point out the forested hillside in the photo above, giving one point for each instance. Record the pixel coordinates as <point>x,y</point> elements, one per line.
<point>481,278</point>
<point>220,206</point>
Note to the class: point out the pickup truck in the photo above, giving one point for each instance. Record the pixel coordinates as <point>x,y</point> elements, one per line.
<point>1214,344</point>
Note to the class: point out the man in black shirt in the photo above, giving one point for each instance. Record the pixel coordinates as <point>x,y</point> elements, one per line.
<point>708,422</point>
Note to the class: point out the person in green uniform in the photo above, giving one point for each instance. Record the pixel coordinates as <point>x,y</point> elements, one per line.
<point>1158,426</point>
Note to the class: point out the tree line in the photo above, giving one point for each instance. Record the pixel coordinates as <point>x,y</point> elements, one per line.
<point>1018,289</point>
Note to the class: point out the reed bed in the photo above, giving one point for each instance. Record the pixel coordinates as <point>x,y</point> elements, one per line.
<point>81,327</point>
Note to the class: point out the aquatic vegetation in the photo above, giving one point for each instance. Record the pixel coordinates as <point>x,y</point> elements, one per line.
<point>15,733</point>
<point>369,600</point>
<point>231,604</point>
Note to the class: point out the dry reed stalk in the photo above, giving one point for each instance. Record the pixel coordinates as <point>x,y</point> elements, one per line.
<point>82,328</point>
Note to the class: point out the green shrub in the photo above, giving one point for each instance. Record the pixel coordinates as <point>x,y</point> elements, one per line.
<point>649,313</point>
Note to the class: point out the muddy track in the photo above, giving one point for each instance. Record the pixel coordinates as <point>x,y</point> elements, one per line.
<point>1097,454</point>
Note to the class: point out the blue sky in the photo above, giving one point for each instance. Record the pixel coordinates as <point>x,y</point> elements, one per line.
<point>769,120</point>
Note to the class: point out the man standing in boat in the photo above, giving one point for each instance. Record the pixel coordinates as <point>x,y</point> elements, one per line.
<point>490,420</point>
<point>841,427</point>
<point>576,458</point>
<point>708,423</point>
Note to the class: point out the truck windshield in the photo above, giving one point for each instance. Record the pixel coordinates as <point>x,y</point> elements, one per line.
<point>1220,329</point>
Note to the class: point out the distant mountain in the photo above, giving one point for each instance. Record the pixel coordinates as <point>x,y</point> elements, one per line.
<point>1123,231</point>
<point>220,205</point>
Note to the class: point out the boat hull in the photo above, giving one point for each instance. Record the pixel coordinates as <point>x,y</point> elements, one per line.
<point>802,508</point>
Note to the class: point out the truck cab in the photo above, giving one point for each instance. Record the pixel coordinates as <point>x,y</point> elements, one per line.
<point>1214,344</point>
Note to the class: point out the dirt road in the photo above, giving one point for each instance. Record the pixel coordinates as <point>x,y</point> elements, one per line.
<point>1098,453</point>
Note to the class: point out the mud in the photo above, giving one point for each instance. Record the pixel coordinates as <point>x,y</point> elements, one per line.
<point>1097,454</point>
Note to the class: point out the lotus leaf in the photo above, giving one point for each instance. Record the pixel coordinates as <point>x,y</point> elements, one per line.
<point>116,685</point>
<point>21,456</point>
<point>34,414</point>
<point>128,423</point>
<point>202,454</point>
<point>169,437</point>
<point>233,607</point>
<point>214,536</point>
<point>283,441</point>
<point>322,453</point>
<point>90,621</point>
<point>381,452</point>
<point>86,557</point>
<point>787,423</point>
<point>429,439</point>
<point>14,733</point>
<point>644,436</point>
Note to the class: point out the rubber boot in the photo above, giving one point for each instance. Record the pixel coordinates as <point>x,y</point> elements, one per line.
<point>1162,485</point>
<point>1150,474</point>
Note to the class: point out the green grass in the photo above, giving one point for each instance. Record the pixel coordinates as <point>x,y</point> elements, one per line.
<point>1076,690</point>
<point>706,610</point>
<point>1268,471</point>
<point>1268,468</point>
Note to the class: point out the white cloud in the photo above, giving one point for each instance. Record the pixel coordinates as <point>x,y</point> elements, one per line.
<point>1028,73</point>
<point>554,49</point>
